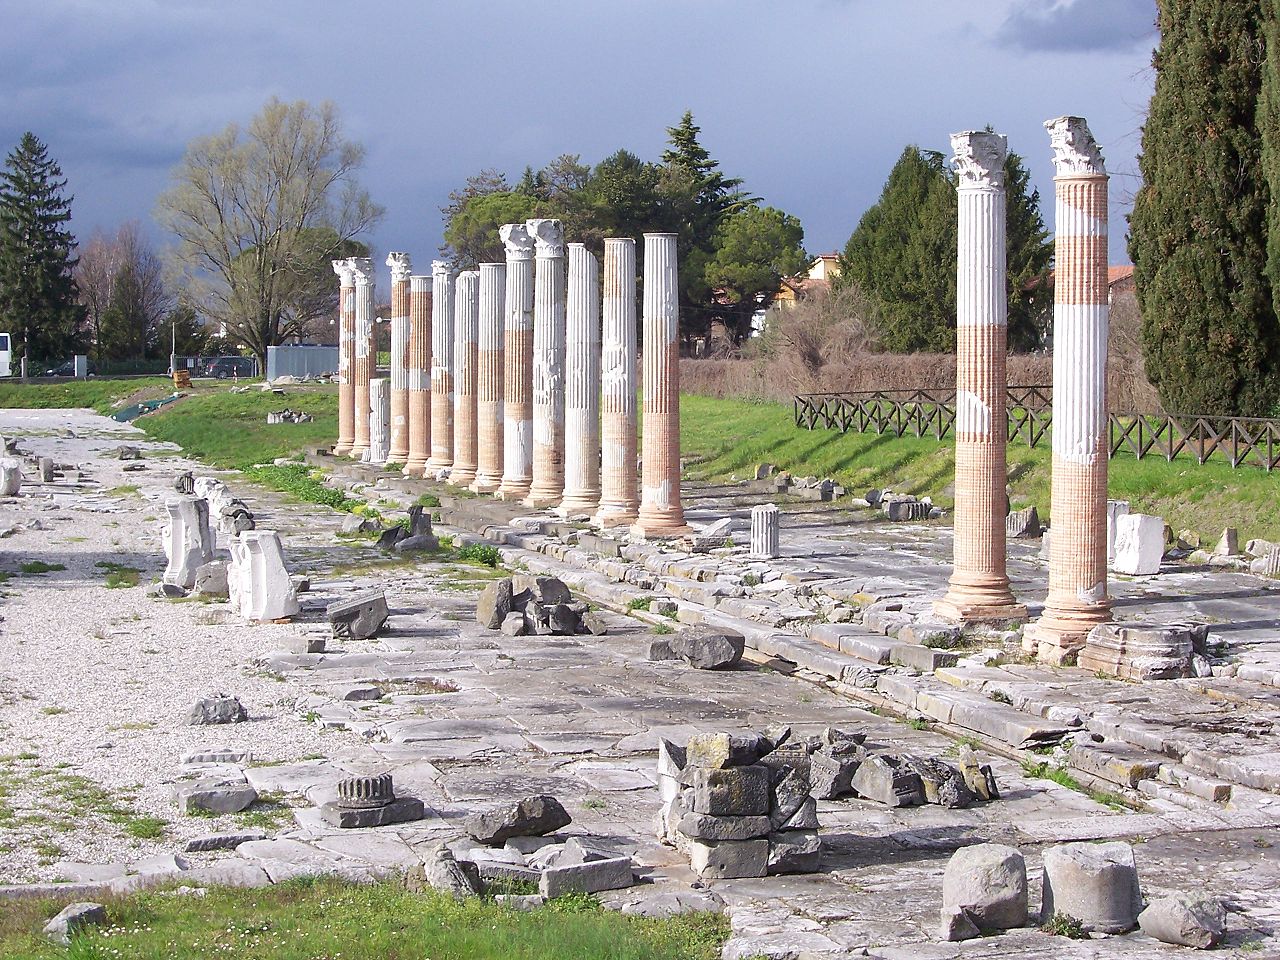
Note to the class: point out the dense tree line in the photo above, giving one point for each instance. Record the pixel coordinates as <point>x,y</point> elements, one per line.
<point>733,251</point>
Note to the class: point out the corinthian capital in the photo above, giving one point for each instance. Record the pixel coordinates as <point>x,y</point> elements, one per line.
<point>979,159</point>
<point>516,241</point>
<point>1075,153</point>
<point>440,269</point>
<point>346,276</point>
<point>401,267</point>
<point>548,235</point>
<point>362,267</point>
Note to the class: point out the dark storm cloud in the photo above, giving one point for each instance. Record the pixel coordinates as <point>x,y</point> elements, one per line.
<point>1079,25</point>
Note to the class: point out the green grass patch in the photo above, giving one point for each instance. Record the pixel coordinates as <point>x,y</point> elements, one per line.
<point>301,483</point>
<point>119,576</point>
<point>308,918</point>
<point>428,500</point>
<point>124,490</point>
<point>99,395</point>
<point>34,568</point>
<point>1065,925</point>
<point>1059,775</point>
<point>480,554</point>
<point>640,603</point>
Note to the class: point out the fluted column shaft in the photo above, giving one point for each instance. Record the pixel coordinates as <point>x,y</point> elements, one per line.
<point>346,358</point>
<point>441,369</point>
<point>661,512</point>
<point>1077,599</point>
<point>582,384</point>
<point>366,356</point>
<point>466,321</point>
<point>517,463</point>
<point>979,586</point>
<point>419,376</point>
<point>379,420</point>
<point>489,360</point>
<point>401,267</point>
<point>547,488</point>
<point>618,500</point>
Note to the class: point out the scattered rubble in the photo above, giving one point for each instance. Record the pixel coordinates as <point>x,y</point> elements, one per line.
<point>288,416</point>
<point>536,606</point>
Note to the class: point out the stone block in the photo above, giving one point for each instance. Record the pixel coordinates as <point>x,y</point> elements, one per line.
<point>74,917</point>
<point>223,841</point>
<point>790,792</point>
<point>831,775</point>
<point>591,876</point>
<point>211,579</point>
<point>1116,763</point>
<point>1022,524</point>
<point>494,603</point>
<point>1096,883</point>
<point>805,817</point>
<point>1139,545</point>
<point>794,851</point>
<point>733,792</point>
<point>399,810</point>
<point>1115,510</point>
<point>214,796</point>
<point>905,510</point>
<point>1140,651</point>
<point>531,817</point>
<point>988,881</point>
<point>924,659</point>
<point>1186,921</point>
<point>942,783</point>
<point>359,617</point>
<point>217,709</point>
<point>729,859</point>
<point>708,649</point>
<point>885,780</point>
<point>955,925</point>
<point>716,751</point>
<point>700,826</point>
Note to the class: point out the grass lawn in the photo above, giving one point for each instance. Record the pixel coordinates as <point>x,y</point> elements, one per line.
<point>721,438</point>
<point>308,919</point>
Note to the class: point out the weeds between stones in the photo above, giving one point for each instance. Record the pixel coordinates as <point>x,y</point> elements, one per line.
<point>1064,925</point>
<point>37,567</point>
<point>1059,775</point>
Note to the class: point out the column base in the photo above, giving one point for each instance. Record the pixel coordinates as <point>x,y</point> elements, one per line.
<point>648,530</point>
<point>397,456</point>
<point>414,468</point>
<point>541,500</point>
<point>958,610</point>
<point>358,452</point>
<point>616,515</point>
<point>578,503</point>
<point>461,477</point>
<point>1059,640</point>
<point>513,490</point>
<point>341,449</point>
<point>483,484</point>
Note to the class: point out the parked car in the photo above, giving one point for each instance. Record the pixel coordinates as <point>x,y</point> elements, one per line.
<point>226,367</point>
<point>68,369</point>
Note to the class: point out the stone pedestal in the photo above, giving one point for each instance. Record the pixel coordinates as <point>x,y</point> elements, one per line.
<point>1077,600</point>
<point>188,541</point>
<point>618,500</point>
<point>441,459</point>
<point>764,531</point>
<point>379,421</point>
<point>466,319</point>
<point>661,513</point>
<point>490,354</point>
<point>582,384</point>
<point>419,376</point>
<point>257,580</point>
<point>401,267</point>
<point>346,357</point>
<point>10,477</point>
<point>979,589</point>
<point>1140,651</point>
<point>517,457</point>
<point>547,488</point>
<point>365,356</point>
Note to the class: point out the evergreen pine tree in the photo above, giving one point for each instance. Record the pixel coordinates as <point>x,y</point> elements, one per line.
<point>1199,224</point>
<point>38,302</point>
<point>1269,131</point>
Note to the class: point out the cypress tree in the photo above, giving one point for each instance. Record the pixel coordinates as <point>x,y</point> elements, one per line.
<point>1269,131</point>
<point>1199,224</point>
<point>38,302</point>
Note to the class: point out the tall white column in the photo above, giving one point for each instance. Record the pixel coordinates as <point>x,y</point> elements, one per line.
<point>618,498</point>
<point>379,421</point>
<point>419,376</point>
<point>979,588</point>
<point>366,356</point>
<point>582,384</point>
<point>466,334</point>
<point>489,400</point>
<point>517,457</point>
<point>441,370</point>
<point>547,488</point>
<point>661,512</point>
<point>1077,600</point>
<point>346,357</point>
<point>401,268</point>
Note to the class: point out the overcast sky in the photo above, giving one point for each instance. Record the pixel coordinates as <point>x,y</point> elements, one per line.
<point>809,101</point>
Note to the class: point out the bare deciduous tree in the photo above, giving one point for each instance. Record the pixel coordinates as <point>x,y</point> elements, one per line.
<point>258,213</point>
<point>122,288</point>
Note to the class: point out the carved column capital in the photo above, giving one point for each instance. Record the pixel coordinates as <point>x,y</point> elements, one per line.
<point>346,275</point>
<point>401,267</point>
<point>362,268</point>
<point>979,159</point>
<point>516,241</point>
<point>1075,152</point>
<point>548,235</point>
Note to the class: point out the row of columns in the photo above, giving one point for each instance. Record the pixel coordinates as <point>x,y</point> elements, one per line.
<point>979,589</point>
<point>531,389</point>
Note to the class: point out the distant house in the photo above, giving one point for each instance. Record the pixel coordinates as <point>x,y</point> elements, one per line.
<point>821,272</point>
<point>1119,281</point>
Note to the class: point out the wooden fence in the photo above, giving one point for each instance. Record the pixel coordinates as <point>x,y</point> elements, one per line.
<point>932,413</point>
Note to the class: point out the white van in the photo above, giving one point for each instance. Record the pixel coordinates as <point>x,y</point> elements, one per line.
<point>5,370</point>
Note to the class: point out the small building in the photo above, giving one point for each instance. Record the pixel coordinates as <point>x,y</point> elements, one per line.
<point>818,280</point>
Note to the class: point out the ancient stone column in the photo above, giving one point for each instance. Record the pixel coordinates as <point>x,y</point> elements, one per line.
<point>582,384</point>
<point>490,352</point>
<point>547,488</point>
<point>419,376</point>
<point>517,456</point>
<point>1077,600</point>
<point>466,319</point>
<point>441,371</point>
<point>257,579</point>
<point>661,513</point>
<point>401,267</point>
<point>618,500</point>
<point>764,531</point>
<point>365,352</point>
<point>188,541</point>
<point>346,357</point>
<point>979,587</point>
<point>379,421</point>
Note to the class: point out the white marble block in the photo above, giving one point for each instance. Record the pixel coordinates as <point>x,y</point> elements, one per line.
<point>1139,544</point>
<point>10,477</point>
<point>257,580</point>
<point>1115,510</point>
<point>188,542</point>
<point>764,531</point>
<point>379,420</point>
